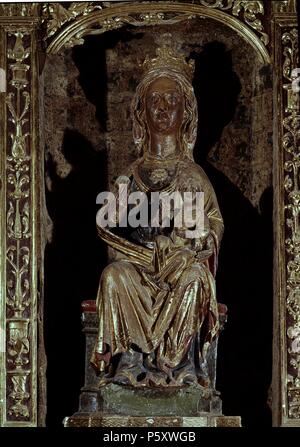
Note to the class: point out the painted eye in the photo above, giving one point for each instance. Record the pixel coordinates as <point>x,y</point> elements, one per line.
<point>154,98</point>
<point>172,98</point>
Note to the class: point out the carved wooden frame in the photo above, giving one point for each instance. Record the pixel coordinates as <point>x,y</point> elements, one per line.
<point>22,204</point>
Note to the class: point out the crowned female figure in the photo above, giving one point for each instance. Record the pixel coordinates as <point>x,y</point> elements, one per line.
<point>156,301</point>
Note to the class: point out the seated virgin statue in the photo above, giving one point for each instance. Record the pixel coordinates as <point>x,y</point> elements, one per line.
<point>156,302</point>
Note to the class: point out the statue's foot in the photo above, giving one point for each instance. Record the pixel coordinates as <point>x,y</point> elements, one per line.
<point>125,378</point>
<point>130,370</point>
<point>156,380</point>
<point>185,378</point>
<point>186,374</point>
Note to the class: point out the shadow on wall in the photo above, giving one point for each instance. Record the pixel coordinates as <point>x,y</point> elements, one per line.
<point>74,261</point>
<point>76,256</point>
<point>244,278</point>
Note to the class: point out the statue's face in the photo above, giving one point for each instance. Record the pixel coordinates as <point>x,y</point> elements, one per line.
<point>164,106</point>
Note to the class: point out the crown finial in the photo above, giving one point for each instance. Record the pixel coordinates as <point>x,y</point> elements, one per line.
<point>167,58</point>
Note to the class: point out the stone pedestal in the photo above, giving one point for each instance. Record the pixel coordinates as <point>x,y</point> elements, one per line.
<point>102,420</point>
<point>119,406</point>
<point>189,401</point>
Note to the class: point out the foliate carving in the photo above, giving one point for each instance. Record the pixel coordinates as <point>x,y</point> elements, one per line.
<point>144,19</point>
<point>18,218</point>
<point>18,9</point>
<point>246,10</point>
<point>249,12</point>
<point>19,395</point>
<point>222,4</point>
<point>284,6</point>
<point>18,343</point>
<point>18,285</point>
<point>291,144</point>
<point>57,15</point>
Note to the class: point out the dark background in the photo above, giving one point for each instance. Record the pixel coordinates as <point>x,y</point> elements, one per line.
<point>76,257</point>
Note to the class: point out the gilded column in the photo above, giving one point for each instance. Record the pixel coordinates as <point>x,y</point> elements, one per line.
<point>286,353</point>
<point>19,215</point>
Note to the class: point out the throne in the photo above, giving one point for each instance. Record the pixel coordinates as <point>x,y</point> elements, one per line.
<point>92,401</point>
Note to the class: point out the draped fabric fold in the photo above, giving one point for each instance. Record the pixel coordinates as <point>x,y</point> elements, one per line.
<point>161,311</point>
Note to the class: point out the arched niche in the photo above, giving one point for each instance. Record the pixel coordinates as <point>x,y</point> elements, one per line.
<point>87,134</point>
<point>95,19</point>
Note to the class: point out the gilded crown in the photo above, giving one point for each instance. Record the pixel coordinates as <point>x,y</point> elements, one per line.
<point>167,58</point>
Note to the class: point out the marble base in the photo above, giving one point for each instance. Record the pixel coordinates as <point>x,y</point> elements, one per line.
<point>109,420</point>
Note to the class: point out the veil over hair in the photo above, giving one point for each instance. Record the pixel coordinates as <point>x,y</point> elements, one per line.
<point>188,128</point>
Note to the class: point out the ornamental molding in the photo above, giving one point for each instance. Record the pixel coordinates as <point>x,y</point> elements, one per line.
<point>66,26</point>
<point>291,145</point>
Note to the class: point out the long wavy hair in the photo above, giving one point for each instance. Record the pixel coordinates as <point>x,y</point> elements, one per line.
<point>188,129</point>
